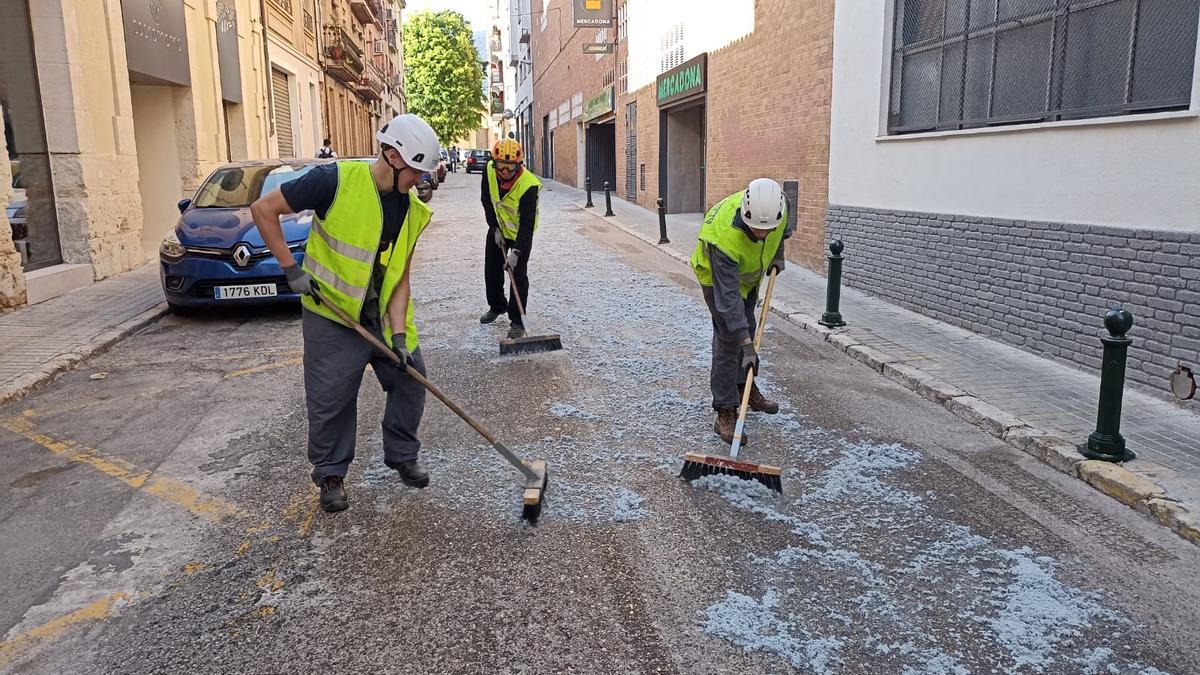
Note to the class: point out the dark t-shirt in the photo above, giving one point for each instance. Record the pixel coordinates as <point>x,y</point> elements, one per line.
<point>315,190</point>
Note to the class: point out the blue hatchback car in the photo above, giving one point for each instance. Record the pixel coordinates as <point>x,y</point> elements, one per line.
<point>215,256</point>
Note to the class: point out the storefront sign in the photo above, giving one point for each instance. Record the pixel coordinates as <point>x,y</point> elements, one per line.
<point>156,41</point>
<point>599,104</point>
<point>683,81</point>
<point>227,52</point>
<point>593,13</point>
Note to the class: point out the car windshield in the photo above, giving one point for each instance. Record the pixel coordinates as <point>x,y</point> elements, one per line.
<point>236,187</point>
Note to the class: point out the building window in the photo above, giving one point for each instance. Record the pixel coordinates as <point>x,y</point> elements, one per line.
<point>623,76</point>
<point>968,63</point>
<point>622,22</point>
<point>671,48</point>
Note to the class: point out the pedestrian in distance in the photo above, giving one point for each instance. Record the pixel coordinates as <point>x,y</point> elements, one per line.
<point>326,151</point>
<point>367,220</point>
<point>454,159</point>
<point>510,206</point>
<point>740,240</point>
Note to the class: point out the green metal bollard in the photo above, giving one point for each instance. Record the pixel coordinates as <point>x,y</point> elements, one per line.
<point>832,318</point>
<point>588,182</point>
<point>1106,442</point>
<point>608,201</point>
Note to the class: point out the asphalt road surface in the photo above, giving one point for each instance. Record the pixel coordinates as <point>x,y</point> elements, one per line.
<point>160,519</point>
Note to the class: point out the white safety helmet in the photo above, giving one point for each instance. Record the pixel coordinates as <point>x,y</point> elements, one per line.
<point>763,204</point>
<point>414,139</point>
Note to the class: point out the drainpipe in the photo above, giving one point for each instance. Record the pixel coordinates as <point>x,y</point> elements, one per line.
<point>262,7</point>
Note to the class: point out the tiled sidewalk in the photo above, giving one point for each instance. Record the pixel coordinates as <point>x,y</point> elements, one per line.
<point>37,342</point>
<point>1048,396</point>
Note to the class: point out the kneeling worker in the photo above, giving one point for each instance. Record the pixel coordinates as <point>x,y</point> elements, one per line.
<point>510,205</point>
<point>740,241</point>
<point>358,257</point>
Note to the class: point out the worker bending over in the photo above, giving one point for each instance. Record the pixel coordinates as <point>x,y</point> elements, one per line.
<point>740,241</point>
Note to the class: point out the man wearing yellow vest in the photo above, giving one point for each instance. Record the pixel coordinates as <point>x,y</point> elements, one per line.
<point>510,205</point>
<point>740,241</point>
<point>366,222</point>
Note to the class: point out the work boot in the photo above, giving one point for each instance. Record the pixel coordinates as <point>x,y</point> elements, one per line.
<point>758,402</point>
<point>412,473</point>
<point>489,316</point>
<point>725,424</point>
<point>516,331</point>
<point>333,494</point>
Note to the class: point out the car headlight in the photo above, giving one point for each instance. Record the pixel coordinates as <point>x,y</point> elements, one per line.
<point>171,248</point>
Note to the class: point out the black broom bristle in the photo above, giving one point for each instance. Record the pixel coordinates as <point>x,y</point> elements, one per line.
<point>531,512</point>
<point>530,345</point>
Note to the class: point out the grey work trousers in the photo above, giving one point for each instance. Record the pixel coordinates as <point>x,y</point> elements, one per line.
<point>726,374</point>
<point>334,360</point>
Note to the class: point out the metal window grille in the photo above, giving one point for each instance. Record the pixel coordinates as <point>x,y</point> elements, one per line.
<point>623,22</point>
<point>610,77</point>
<point>623,76</point>
<point>642,177</point>
<point>671,48</point>
<point>631,151</point>
<point>968,63</point>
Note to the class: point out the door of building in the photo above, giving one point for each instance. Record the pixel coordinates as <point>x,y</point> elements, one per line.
<point>602,155</point>
<point>281,94</point>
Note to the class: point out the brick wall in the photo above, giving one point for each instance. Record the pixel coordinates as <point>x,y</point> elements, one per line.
<point>561,70</point>
<point>1044,287</point>
<point>768,113</point>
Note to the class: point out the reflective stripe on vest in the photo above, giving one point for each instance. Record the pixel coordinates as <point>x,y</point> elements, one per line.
<point>341,249</point>
<point>752,257</point>
<point>508,208</point>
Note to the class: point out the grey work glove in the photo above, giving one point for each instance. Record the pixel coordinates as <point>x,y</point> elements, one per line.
<point>514,258</point>
<point>499,237</point>
<point>749,357</point>
<point>400,349</point>
<point>301,281</point>
<point>777,263</point>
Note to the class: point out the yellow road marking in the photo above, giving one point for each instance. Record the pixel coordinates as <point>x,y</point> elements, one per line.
<point>53,629</point>
<point>168,489</point>
<point>265,367</point>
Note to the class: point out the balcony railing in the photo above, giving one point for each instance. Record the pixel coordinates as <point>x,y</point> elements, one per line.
<point>367,12</point>
<point>370,85</point>
<point>343,58</point>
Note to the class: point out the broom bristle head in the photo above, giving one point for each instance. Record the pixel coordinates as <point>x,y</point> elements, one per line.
<point>697,465</point>
<point>534,344</point>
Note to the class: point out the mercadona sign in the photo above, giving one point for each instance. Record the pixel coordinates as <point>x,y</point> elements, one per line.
<point>685,80</point>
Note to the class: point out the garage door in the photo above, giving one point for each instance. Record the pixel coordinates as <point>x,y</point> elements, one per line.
<point>283,113</point>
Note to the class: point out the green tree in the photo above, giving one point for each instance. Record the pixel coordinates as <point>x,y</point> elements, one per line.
<point>443,76</point>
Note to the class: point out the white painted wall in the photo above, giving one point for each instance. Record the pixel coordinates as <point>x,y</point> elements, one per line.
<point>708,26</point>
<point>159,184</point>
<point>306,121</point>
<point>1119,172</point>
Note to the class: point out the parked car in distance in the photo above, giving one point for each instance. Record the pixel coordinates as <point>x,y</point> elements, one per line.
<point>441,171</point>
<point>425,187</point>
<point>215,256</point>
<point>477,160</point>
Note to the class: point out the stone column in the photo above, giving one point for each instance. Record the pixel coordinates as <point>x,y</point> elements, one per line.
<point>12,278</point>
<point>84,77</point>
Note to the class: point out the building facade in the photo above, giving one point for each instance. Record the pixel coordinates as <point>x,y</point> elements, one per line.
<point>358,63</point>
<point>292,47</point>
<point>1019,179</point>
<point>113,112</point>
<point>520,60</point>
<point>689,106</point>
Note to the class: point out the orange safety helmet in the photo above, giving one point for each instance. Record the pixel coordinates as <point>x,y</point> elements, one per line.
<point>508,150</point>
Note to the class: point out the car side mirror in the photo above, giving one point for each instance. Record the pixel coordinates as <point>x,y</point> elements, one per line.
<point>184,204</point>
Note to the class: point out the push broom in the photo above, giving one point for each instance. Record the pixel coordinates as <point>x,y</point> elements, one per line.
<point>534,472</point>
<point>696,465</point>
<point>528,344</point>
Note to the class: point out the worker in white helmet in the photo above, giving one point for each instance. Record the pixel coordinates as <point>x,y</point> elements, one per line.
<point>365,227</point>
<point>740,241</point>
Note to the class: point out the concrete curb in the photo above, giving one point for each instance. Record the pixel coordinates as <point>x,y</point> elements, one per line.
<point>47,371</point>
<point>1135,491</point>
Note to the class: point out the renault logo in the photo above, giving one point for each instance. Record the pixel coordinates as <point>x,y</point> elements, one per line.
<point>241,255</point>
